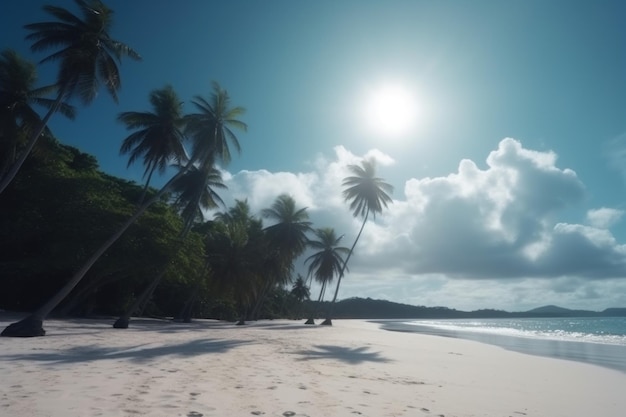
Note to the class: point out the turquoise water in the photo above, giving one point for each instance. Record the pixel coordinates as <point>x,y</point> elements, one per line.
<point>599,341</point>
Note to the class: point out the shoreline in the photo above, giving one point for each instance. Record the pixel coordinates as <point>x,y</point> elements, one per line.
<point>275,368</point>
<point>606,355</point>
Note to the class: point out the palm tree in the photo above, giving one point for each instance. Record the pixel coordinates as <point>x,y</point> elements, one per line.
<point>87,56</point>
<point>159,140</point>
<point>195,192</point>
<point>288,233</point>
<point>33,324</point>
<point>235,254</point>
<point>17,95</point>
<point>327,261</point>
<point>211,128</point>
<point>366,194</point>
<point>300,290</point>
<point>287,237</point>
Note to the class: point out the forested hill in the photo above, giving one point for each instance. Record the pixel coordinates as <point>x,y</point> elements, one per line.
<point>367,308</point>
<point>58,210</point>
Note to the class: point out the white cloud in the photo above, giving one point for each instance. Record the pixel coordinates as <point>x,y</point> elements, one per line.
<point>476,237</point>
<point>604,217</point>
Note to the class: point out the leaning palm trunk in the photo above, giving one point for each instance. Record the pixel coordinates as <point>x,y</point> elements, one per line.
<point>123,321</point>
<point>186,313</point>
<point>33,324</point>
<point>145,188</point>
<point>12,172</point>
<point>80,295</point>
<point>328,321</point>
<point>256,311</point>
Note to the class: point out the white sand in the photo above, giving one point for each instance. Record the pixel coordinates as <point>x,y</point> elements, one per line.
<point>86,368</point>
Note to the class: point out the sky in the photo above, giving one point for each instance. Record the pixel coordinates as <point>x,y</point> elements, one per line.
<point>509,176</point>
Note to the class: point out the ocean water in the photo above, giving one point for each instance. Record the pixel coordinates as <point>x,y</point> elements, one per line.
<point>599,341</point>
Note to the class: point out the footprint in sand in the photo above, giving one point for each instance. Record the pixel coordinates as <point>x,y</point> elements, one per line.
<point>194,414</point>
<point>289,413</point>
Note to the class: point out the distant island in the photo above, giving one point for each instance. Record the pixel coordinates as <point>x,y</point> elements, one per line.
<point>368,308</point>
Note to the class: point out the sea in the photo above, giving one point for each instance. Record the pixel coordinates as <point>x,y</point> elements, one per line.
<point>598,340</point>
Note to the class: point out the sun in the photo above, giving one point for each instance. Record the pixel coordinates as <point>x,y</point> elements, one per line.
<point>391,110</point>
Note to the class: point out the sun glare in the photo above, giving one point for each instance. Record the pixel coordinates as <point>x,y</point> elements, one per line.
<point>391,110</point>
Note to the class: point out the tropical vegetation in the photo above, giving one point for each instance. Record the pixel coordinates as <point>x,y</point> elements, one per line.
<point>109,246</point>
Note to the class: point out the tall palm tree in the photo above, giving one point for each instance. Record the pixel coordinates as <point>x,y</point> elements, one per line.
<point>32,325</point>
<point>287,239</point>
<point>327,261</point>
<point>367,194</point>
<point>87,56</point>
<point>17,96</point>
<point>158,136</point>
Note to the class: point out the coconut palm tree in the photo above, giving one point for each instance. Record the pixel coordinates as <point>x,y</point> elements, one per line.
<point>33,324</point>
<point>158,136</point>
<point>327,261</point>
<point>366,194</point>
<point>87,56</point>
<point>18,94</point>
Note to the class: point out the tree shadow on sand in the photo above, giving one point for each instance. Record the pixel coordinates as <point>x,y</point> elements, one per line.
<point>352,356</point>
<point>142,353</point>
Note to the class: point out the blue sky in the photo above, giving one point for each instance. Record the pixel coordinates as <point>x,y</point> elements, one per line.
<point>477,220</point>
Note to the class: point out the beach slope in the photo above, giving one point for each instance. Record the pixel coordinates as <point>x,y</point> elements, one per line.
<point>284,368</point>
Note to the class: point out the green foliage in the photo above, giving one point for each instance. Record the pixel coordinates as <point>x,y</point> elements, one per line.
<point>47,233</point>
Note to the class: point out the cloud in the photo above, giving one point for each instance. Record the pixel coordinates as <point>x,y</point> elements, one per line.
<point>604,218</point>
<point>472,229</point>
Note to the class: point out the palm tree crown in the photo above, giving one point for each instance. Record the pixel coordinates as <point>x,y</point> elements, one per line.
<point>328,260</point>
<point>300,290</point>
<point>366,192</point>
<point>17,95</point>
<point>87,53</point>
<point>288,234</point>
<point>158,138</point>
<point>196,191</point>
<point>211,129</point>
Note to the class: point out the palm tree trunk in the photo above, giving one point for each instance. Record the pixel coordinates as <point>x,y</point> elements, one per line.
<point>311,319</point>
<point>32,325</point>
<point>145,188</point>
<point>123,321</point>
<point>260,301</point>
<point>87,290</point>
<point>328,321</point>
<point>12,172</point>
<point>187,312</point>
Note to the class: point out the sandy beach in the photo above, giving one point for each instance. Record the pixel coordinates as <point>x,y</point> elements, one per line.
<point>283,368</point>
